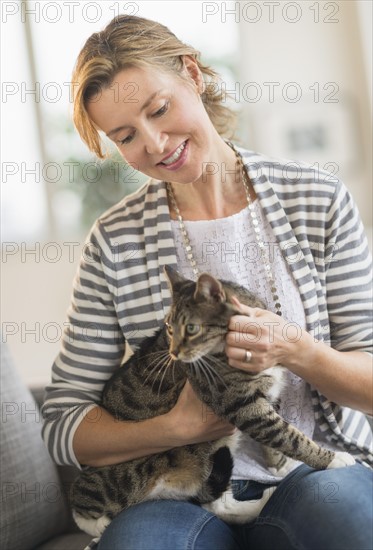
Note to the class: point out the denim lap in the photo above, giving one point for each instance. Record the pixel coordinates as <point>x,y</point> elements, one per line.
<point>311,509</point>
<point>167,525</point>
<point>323,510</point>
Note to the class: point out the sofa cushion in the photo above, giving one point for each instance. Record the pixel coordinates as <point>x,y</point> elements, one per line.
<point>71,541</point>
<point>33,505</point>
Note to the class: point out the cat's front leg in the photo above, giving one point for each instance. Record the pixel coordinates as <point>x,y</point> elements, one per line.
<point>260,420</point>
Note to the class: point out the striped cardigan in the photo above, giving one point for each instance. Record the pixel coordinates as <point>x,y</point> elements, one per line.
<point>121,295</point>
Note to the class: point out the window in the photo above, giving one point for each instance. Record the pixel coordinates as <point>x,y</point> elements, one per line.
<point>53,187</point>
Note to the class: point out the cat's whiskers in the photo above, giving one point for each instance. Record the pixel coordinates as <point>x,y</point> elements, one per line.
<point>156,354</point>
<point>206,370</point>
<point>196,370</point>
<point>203,372</point>
<point>173,371</point>
<point>157,364</point>
<point>151,360</point>
<point>214,360</point>
<point>166,367</point>
<point>159,371</point>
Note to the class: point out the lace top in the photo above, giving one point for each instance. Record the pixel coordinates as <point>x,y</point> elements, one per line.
<point>227,249</point>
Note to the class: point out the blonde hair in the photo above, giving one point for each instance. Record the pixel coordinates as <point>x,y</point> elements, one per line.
<point>130,41</point>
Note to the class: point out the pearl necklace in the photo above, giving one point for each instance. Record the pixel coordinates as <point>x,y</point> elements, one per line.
<point>254,221</point>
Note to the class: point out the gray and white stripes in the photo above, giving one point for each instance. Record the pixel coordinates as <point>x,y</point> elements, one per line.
<point>121,295</point>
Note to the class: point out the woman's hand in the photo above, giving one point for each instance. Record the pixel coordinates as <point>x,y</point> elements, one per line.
<point>343,377</point>
<point>259,339</point>
<point>108,441</point>
<point>194,422</point>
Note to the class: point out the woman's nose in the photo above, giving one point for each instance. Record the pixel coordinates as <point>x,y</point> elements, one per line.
<point>155,142</point>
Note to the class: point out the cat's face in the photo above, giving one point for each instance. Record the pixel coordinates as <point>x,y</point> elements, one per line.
<point>198,320</point>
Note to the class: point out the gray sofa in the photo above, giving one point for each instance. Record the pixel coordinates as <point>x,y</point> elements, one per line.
<point>34,513</point>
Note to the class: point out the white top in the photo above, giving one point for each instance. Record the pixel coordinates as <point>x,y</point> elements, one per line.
<point>227,249</point>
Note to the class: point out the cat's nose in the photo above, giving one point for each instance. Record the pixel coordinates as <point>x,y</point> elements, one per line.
<point>174,353</point>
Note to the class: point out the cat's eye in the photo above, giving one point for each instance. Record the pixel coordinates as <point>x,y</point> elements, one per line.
<point>169,328</point>
<point>192,330</point>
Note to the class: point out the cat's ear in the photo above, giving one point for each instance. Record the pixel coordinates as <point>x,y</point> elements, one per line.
<point>209,288</point>
<point>173,277</point>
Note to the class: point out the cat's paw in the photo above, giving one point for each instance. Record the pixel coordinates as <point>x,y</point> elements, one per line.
<point>341,460</point>
<point>231,510</point>
<point>94,527</point>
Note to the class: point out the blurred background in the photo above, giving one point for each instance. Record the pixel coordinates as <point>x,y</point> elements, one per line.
<point>300,76</point>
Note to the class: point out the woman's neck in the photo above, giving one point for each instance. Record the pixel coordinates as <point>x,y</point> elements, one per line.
<point>218,193</point>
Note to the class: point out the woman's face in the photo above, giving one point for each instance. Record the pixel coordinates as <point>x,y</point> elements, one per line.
<point>158,122</point>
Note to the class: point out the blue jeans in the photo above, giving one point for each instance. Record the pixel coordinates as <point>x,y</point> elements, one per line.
<point>310,510</point>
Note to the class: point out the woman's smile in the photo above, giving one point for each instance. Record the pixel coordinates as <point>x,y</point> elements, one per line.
<point>177,158</point>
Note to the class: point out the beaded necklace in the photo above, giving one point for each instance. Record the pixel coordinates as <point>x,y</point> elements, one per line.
<point>255,224</point>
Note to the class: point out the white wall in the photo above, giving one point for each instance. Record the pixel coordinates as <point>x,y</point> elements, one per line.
<point>365,15</point>
<point>325,49</point>
<point>36,288</point>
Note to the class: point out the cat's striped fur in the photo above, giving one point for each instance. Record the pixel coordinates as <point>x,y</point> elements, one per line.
<point>190,346</point>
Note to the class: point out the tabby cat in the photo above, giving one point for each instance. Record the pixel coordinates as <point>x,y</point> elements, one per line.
<point>191,346</point>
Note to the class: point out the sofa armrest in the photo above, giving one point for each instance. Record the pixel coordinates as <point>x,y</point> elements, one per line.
<point>67,474</point>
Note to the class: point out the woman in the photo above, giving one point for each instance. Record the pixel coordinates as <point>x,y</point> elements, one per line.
<point>299,245</point>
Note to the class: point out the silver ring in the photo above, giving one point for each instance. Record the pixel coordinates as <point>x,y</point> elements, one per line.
<point>248,356</point>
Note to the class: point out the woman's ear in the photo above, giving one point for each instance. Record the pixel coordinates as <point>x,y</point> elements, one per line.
<point>191,68</point>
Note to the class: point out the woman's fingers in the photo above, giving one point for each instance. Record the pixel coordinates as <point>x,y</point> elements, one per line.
<point>252,343</point>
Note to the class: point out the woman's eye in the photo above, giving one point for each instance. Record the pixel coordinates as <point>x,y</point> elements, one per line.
<point>127,139</point>
<point>191,330</point>
<point>162,110</point>
<point>158,113</point>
